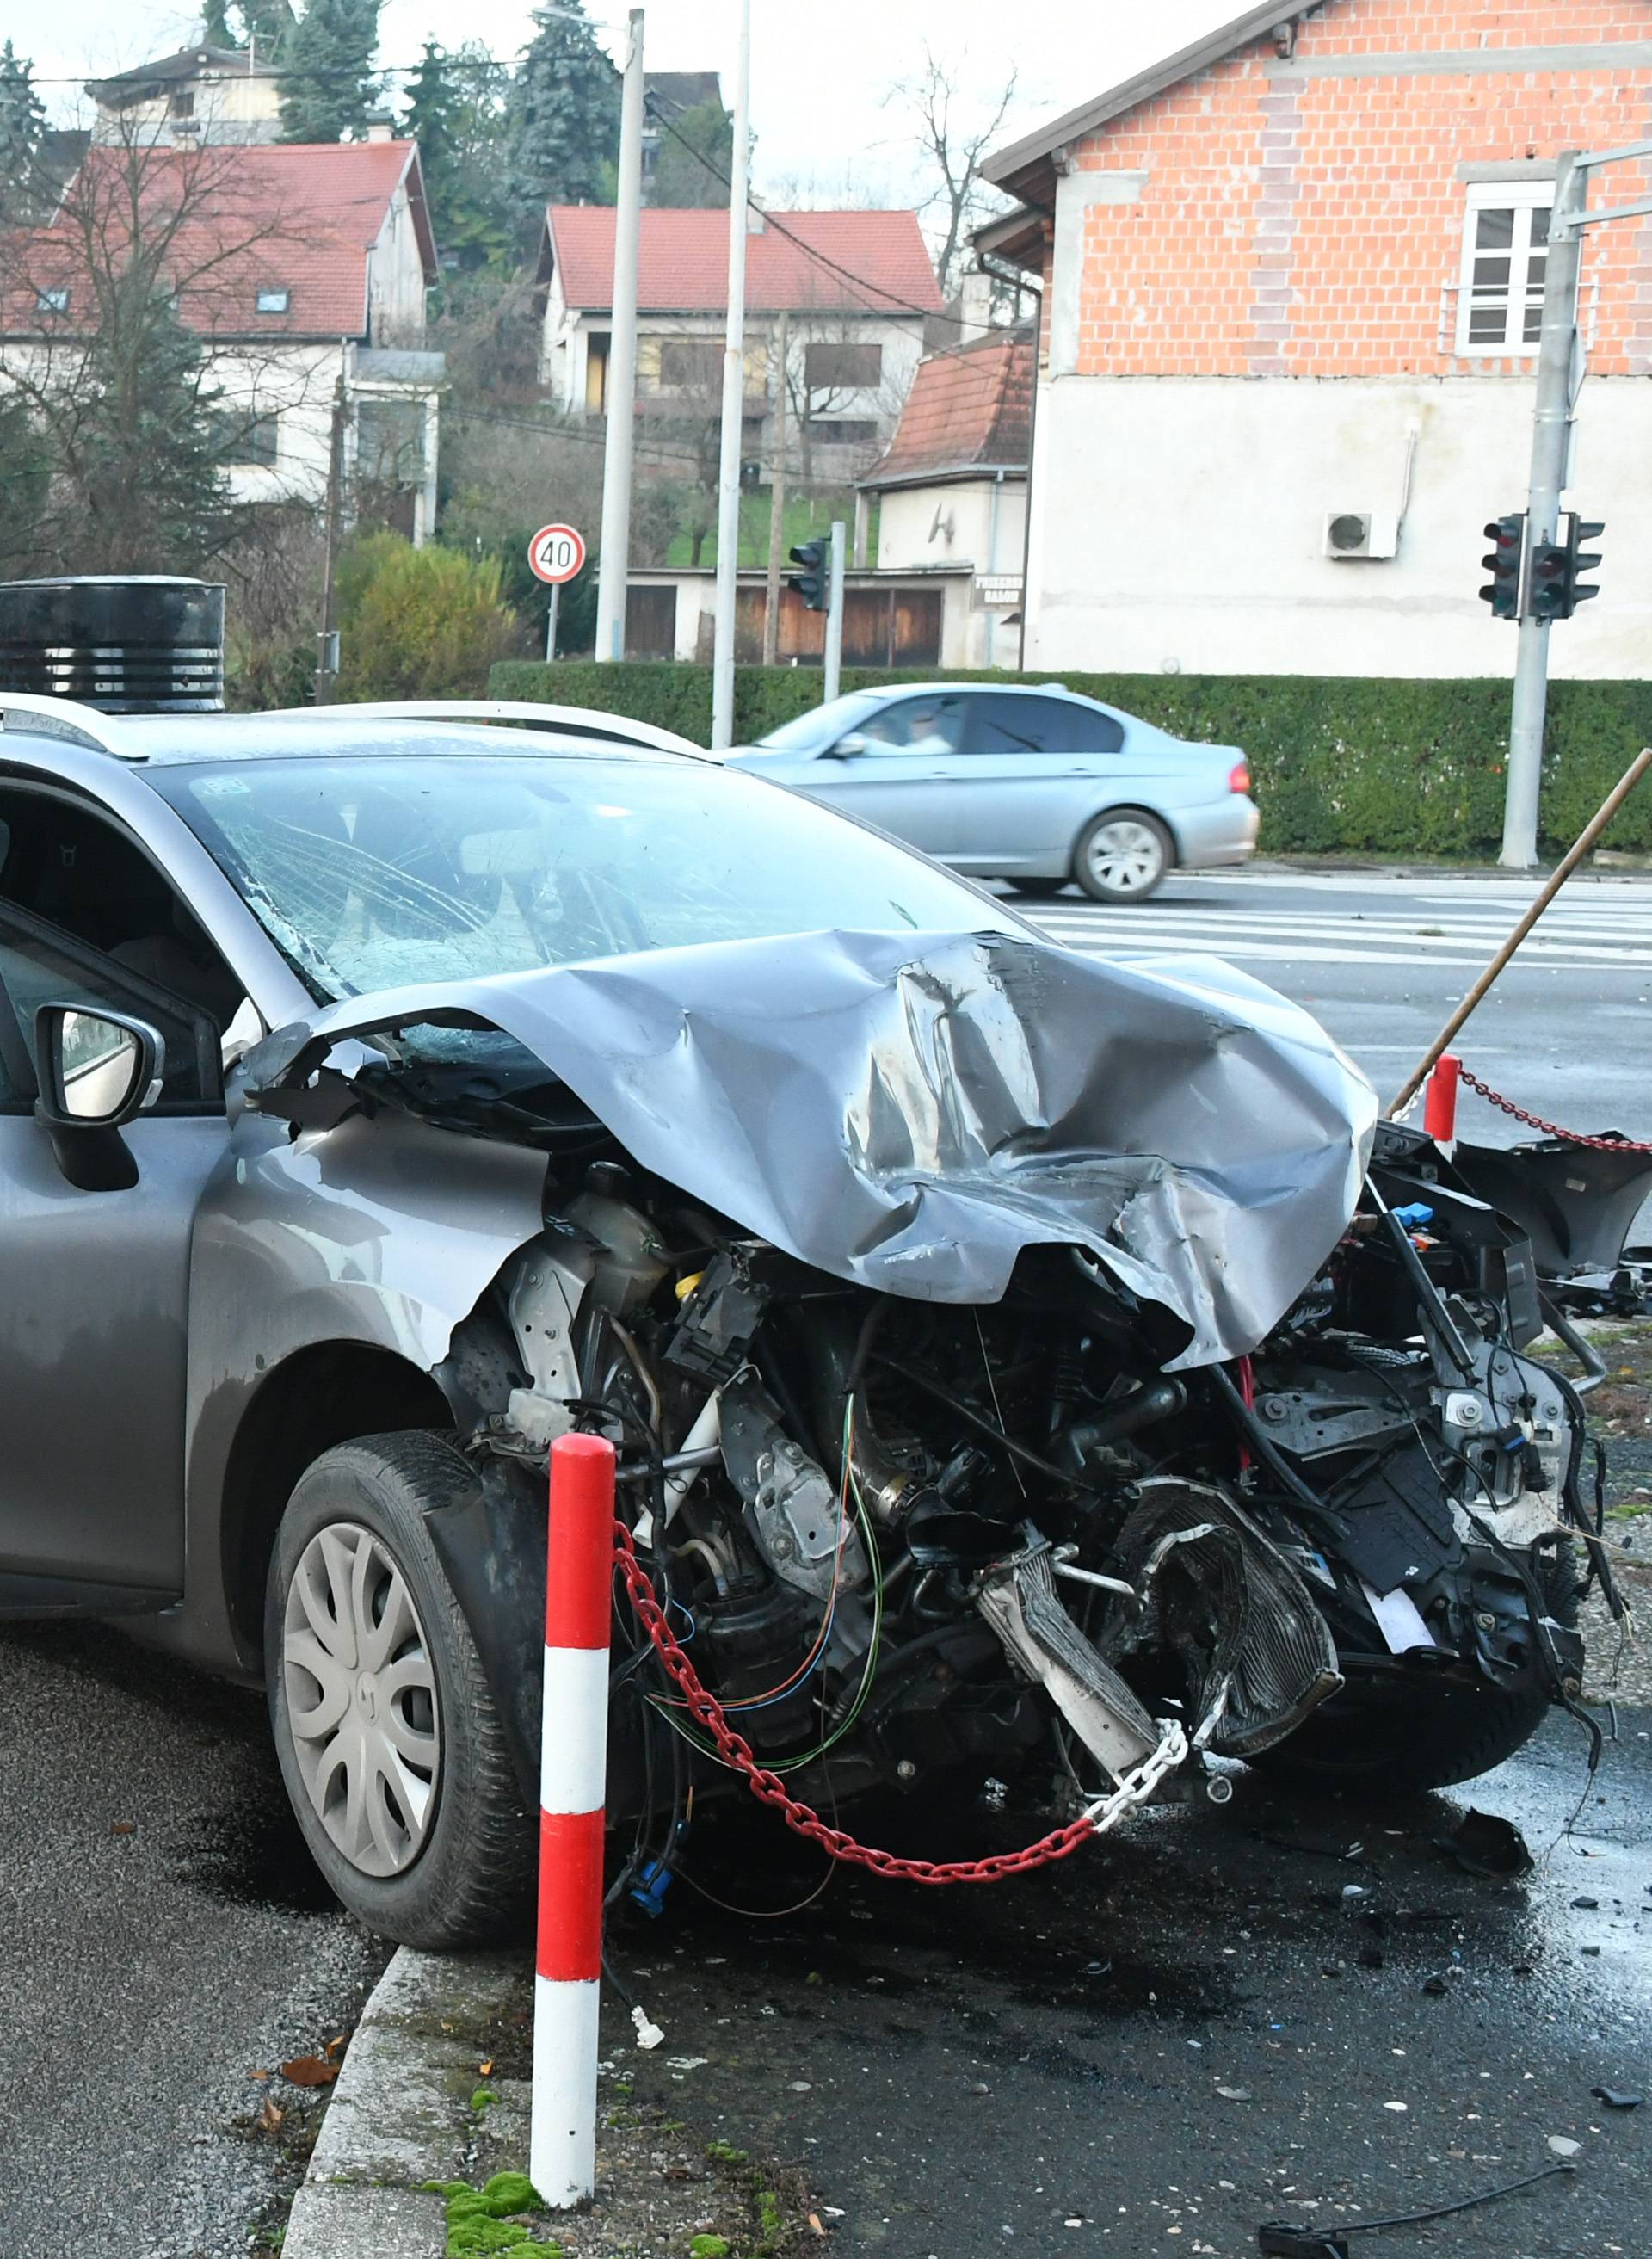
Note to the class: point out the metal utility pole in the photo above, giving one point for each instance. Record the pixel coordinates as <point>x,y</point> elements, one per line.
<point>613,561</point>
<point>777,509</point>
<point>733,403</point>
<point>327,641</point>
<point>1551,445</point>
<point>832,671</point>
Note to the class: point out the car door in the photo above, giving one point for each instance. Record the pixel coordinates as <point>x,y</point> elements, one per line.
<point>1024,764</point>
<point>898,769</point>
<point>94,1293</point>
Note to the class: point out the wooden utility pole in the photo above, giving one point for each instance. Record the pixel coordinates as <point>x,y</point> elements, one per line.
<point>327,655</point>
<point>777,511</point>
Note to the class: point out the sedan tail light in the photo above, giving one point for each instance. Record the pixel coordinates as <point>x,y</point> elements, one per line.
<point>1239,777</point>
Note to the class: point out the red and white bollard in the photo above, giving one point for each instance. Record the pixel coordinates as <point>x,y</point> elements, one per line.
<point>1440,1106</point>
<point>572,1776</point>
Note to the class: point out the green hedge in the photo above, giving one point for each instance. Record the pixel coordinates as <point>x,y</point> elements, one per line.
<point>1405,768</point>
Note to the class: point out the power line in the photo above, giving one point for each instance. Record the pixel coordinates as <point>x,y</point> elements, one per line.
<point>809,251</point>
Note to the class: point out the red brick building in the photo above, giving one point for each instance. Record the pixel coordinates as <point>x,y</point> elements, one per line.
<point>1292,282</point>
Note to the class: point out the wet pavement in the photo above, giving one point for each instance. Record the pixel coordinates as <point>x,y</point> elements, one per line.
<point>1282,2008</point>
<point>162,1933</point>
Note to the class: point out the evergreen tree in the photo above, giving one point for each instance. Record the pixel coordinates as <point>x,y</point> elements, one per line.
<point>22,123</point>
<point>24,472</point>
<point>456,113</point>
<point>328,86</point>
<point>146,460</point>
<point>696,156</point>
<point>564,117</point>
<point>238,23</point>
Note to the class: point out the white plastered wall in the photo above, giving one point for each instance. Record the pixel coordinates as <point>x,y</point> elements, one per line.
<point>1179,524</point>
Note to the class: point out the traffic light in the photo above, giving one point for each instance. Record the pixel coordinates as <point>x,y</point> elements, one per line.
<point>811,583</point>
<point>1556,591</point>
<point>1502,591</point>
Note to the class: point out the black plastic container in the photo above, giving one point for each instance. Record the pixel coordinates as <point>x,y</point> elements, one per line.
<point>127,643</point>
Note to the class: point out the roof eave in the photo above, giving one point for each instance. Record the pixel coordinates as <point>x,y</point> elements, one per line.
<point>1017,235</point>
<point>413,180</point>
<point>1021,168</point>
<point>942,474</point>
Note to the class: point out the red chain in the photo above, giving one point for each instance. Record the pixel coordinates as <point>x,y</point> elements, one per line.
<point>706,1711</point>
<point>1550,1128</point>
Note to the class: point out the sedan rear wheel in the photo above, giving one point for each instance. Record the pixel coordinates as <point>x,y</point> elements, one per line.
<point>1123,857</point>
<point>386,1728</point>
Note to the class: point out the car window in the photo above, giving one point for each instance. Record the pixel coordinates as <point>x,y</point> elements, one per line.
<point>40,967</point>
<point>1009,725</point>
<point>915,725</point>
<point>84,879</point>
<point>369,872</point>
<point>820,725</point>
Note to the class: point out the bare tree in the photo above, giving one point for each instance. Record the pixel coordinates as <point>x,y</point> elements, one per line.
<point>955,131</point>
<point>125,355</point>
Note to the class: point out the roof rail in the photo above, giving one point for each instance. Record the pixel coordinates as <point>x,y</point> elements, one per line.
<point>68,718</point>
<point>578,721</point>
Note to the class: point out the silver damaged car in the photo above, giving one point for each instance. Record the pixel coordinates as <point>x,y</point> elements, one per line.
<point>1020,1366</point>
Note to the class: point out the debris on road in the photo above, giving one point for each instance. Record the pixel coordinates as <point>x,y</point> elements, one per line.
<point>1618,2098</point>
<point>1281,2240</point>
<point>1485,1844</point>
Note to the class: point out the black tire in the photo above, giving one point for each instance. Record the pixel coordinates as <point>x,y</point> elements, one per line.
<point>469,1880</point>
<point>1402,1739</point>
<point>1146,856</point>
<point>1040,890</point>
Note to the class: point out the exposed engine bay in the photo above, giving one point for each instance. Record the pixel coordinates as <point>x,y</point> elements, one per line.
<point>992,1395</point>
<point>901,1540</point>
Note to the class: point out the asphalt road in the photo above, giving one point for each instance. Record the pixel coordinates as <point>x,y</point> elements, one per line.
<point>1381,959</point>
<point>1218,2018</point>
<point>162,1933</point>
<point>144,1974</point>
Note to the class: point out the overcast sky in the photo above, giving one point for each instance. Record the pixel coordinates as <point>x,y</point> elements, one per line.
<point>818,74</point>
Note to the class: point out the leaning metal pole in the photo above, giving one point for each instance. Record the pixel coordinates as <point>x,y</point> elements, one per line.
<point>733,405</point>
<point>1551,433</point>
<point>613,561</point>
<point>1568,863</point>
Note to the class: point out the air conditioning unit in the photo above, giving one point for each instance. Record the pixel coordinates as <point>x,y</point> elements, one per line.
<point>1351,533</point>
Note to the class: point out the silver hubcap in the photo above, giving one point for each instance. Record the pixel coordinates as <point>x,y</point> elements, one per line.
<point>1125,857</point>
<point>362,1699</point>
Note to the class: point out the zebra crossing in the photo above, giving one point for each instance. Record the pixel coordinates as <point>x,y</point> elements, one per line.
<point>1429,922</point>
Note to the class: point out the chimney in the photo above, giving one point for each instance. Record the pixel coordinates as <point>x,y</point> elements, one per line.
<point>380,127</point>
<point>755,221</point>
<point>974,307</point>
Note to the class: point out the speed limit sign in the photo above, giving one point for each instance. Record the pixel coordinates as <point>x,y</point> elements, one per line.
<point>556,554</point>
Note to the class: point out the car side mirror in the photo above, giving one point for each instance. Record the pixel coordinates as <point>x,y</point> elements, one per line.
<point>846,749</point>
<point>97,1070</point>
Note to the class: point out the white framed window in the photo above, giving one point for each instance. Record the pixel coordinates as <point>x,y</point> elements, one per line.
<point>55,301</point>
<point>1505,254</point>
<point>273,302</point>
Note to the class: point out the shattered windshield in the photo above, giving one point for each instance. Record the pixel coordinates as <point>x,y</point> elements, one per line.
<point>374,872</point>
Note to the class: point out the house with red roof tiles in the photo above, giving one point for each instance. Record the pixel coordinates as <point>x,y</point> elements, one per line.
<point>855,287</point>
<point>1292,279</point>
<point>951,490</point>
<point>302,267</point>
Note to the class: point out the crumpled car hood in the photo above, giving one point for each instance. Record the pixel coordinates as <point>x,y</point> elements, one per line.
<point>911,1111</point>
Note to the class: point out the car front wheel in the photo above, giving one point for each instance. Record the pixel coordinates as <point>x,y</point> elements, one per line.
<point>385,1726</point>
<point>1123,857</point>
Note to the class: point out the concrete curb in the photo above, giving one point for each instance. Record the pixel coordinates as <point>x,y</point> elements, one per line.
<point>401,2113</point>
